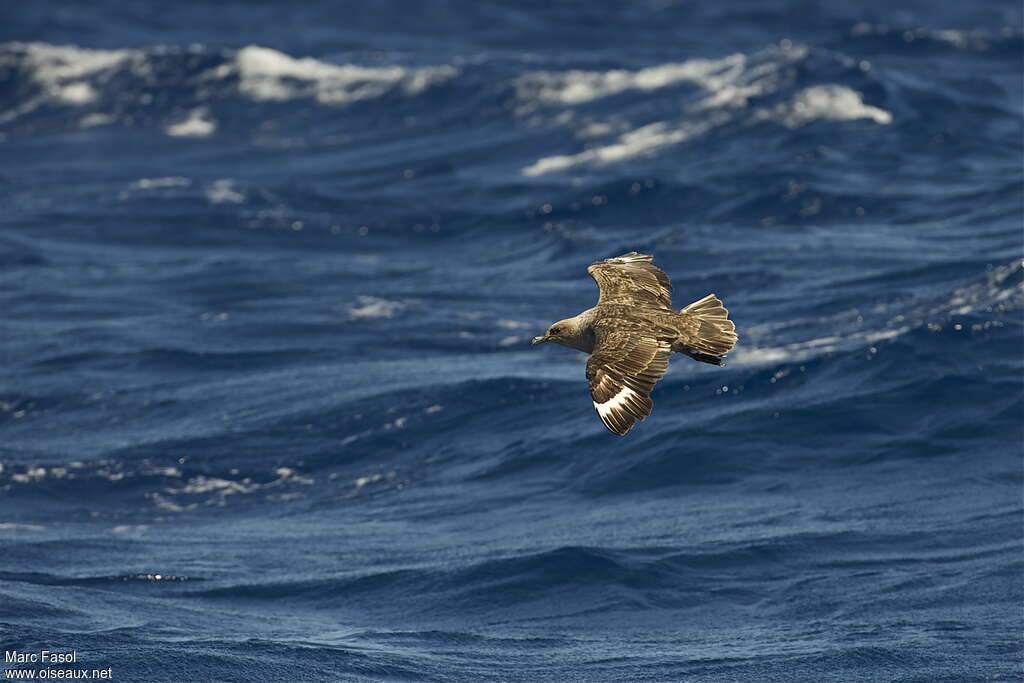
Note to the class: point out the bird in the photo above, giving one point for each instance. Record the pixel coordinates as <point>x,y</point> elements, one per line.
<point>631,333</point>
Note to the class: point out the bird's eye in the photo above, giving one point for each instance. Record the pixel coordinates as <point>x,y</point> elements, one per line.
<point>556,330</point>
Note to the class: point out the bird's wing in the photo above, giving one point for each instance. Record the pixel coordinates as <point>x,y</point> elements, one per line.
<point>622,371</point>
<point>631,279</point>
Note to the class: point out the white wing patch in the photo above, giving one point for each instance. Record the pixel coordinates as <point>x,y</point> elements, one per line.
<point>619,412</point>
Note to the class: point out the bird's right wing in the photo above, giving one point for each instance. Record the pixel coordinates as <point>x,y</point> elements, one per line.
<point>633,280</point>
<point>621,372</point>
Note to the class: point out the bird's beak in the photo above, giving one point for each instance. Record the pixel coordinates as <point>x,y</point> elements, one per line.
<point>538,340</point>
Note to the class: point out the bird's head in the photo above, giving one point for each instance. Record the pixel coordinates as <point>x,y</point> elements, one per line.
<point>563,332</point>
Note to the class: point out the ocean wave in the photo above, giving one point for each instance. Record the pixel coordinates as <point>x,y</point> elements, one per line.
<point>266,74</point>
<point>728,81</point>
<point>729,92</point>
<point>978,306</point>
<point>401,413</point>
<point>531,578</point>
<point>61,72</point>
<point>125,85</point>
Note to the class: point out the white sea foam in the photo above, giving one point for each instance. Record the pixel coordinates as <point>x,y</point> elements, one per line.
<point>288,475</point>
<point>165,472</point>
<point>576,86</point>
<point>997,292</point>
<point>30,475</point>
<point>728,81</point>
<point>72,76</point>
<point>374,479</point>
<point>96,119</point>
<point>397,423</point>
<point>726,87</point>
<point>223,191</point>
<point>642,141</point>
<point>76,93</point>
<point>154,184</point>
<point>201,490</point>
<point>160,183</point>
<point>14,526</point>
<point>375,307</point>
<point>61,69</point>
<point>823,103</point>
<point>268,75</point>
<point>177,493</point>
<point>725,84</point>
<point>198,124</point>
<point>812,348</point>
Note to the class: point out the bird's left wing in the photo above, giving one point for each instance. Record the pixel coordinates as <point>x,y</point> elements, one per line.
<point>622,371</point>
<point>631,279</point>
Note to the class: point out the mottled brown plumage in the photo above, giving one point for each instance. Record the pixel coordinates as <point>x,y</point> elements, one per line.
<point>631,333</point>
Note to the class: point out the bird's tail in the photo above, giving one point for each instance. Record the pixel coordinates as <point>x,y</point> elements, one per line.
<point>716,335</point>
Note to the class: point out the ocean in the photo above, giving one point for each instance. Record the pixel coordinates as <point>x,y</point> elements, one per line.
<point>268,408</point>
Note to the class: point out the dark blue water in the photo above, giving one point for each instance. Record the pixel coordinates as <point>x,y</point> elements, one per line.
<point>268,272</point>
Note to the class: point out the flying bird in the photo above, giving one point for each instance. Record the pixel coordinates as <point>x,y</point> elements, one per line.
<point>631,333</point>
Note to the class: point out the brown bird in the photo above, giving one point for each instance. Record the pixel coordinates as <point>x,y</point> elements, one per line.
<point>631,333</point>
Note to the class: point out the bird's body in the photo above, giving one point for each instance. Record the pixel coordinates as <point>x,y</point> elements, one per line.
<point>631,333</point>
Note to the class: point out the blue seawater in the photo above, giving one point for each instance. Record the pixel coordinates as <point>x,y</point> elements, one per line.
<point>269,271</point>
